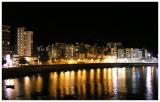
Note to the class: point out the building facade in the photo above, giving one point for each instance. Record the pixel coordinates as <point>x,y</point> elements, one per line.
<point>121,53</point>
<point>114,52</point>
<point>128,53</point>
<point>139,54</point>
<point>24,42</point>
<point>69,52</point>
<point>133,53</point>
<point>5,40</point>
<point>146,54</point>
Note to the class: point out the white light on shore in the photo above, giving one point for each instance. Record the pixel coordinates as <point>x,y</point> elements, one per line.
<point>8,61</point>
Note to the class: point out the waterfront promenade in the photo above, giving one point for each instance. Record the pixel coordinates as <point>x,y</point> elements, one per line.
<point>13,72</point>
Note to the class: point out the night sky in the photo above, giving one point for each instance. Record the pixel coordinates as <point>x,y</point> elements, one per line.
<point>134,24</point>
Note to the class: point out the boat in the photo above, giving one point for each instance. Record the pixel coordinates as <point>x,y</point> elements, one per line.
<point>10,86</point>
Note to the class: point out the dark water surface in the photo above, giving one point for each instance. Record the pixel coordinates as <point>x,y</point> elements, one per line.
<point>126,83</point>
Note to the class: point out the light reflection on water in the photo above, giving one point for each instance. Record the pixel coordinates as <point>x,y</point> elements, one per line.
<point>39,84</point>
<point>27,87</point>
<point>149,83</point>
<point>105,82</point>
<point>99,83</point>
<point>122,80</point>
<point>134,89</point>
<point>115,85</point>
<point>92,83</point>
<point>110,82</point>
<point>61,83</point>
<point>9,92</point>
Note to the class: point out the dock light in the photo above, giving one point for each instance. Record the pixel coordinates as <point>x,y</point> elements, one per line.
<point>8,60</point>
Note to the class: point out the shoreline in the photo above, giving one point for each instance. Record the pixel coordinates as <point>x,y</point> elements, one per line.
<point>22,71</point>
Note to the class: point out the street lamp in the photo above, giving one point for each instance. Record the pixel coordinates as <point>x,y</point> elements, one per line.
<point>149,55</point>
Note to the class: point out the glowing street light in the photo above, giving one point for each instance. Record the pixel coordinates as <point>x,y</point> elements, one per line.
<point>149,55</point>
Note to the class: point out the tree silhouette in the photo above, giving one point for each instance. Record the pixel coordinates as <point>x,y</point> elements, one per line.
<point>22,60</point>
<point>44,56</point>
<point>3,61</point>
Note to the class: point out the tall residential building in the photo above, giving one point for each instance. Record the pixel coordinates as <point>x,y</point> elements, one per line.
<point>5,40</point>
<point>24,42</point>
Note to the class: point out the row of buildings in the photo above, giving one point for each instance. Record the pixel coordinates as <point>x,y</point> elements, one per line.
<point>76,51</point>
<point>58,51</point>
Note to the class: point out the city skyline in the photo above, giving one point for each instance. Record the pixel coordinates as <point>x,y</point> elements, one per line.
<point>86,22</point>
<point>80,51</point>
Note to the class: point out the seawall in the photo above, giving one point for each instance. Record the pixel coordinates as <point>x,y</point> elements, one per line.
<point>29,70</point>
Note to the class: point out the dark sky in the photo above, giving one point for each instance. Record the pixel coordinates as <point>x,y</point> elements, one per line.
<point>135,24</point>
